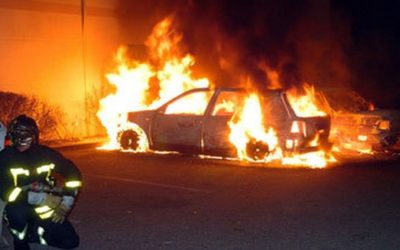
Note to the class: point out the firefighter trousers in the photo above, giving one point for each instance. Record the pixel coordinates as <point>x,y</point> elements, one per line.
<point>26,226</point>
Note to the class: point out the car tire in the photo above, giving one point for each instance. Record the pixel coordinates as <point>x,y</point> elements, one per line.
<point>129,139</point>
<point>257,150</point>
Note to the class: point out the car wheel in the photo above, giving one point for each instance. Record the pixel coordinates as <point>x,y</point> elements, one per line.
<point>257,150</point>
<point>129,139</point>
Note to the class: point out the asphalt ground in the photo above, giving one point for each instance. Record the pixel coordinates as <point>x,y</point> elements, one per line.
<point>147,201</point>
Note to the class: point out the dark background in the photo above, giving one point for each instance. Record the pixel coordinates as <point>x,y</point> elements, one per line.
<point>374,53</point>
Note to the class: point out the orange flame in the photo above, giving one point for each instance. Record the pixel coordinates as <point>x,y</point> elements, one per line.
<point>132,80</point>
<point>305,105</point>
<point>114,108</point>
<point>250,126</point>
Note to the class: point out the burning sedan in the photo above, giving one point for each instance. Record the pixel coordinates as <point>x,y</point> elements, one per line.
<point>206,121</point>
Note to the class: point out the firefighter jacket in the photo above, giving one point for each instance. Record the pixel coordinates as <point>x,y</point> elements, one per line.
<point>35,165</point>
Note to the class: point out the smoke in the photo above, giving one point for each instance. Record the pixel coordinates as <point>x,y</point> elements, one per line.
<point>248,41</point>
<point>269,43</point>
<point>237,42</point>
<point>137,18</point>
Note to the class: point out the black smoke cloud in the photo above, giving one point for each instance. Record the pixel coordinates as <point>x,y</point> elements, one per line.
<point>235,41</point>
<point>328,43</point>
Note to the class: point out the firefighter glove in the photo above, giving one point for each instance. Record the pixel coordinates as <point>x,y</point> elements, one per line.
<point>52,201</point>
<point>60,213</point>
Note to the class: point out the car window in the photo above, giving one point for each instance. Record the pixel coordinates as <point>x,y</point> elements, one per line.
<point>274,109</point>
<point>194,103</point>
<point>226,103</point>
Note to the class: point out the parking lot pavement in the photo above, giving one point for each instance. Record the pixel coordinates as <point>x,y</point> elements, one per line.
<point>78,143</point>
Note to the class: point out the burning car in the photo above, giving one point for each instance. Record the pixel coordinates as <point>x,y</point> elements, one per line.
<point>356,124</point>
<point>201,121</point>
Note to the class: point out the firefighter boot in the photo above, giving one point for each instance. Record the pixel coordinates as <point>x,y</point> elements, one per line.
<point>32,234</point>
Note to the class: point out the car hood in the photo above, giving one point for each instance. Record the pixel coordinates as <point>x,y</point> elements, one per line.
<point>142,116</point>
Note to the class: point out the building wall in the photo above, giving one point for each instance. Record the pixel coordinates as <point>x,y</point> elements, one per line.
<point>44,52</point>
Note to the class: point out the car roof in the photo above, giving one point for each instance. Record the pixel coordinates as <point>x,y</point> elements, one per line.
<point>235,89</point>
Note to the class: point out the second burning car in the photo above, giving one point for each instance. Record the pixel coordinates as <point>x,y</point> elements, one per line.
<point>356,124</point>
<point>197,121</point>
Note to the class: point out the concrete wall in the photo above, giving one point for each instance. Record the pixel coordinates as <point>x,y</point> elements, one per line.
<point>43,51</point>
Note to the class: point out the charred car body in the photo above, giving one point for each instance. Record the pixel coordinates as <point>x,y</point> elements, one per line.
<point>201,126</point>
<point>356,124</point>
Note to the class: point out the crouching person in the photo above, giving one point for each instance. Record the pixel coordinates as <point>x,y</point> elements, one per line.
<point>37,206</point>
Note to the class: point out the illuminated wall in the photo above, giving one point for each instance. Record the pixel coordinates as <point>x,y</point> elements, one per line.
<point>45,50</point>
<point>42,50</point>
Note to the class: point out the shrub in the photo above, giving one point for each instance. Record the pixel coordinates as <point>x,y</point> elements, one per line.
<point>48,117</point>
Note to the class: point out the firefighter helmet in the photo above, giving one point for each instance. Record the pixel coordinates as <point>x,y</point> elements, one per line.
<point>23,131</point>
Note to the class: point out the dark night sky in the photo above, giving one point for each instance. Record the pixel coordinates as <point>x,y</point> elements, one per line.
<point>374,52</point>
<point>329,43</point>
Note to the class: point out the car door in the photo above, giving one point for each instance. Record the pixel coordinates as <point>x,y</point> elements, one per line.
<point>216,127</point>
<point>177,126</point>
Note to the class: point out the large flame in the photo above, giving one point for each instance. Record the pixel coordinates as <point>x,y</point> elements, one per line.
<point>132,80</point>
<point>171,71</point>
<point>131,83</point>
<point>250,126</point>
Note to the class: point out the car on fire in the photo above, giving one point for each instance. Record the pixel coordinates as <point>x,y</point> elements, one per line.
<point>201,126</point>
<point>357,124</point>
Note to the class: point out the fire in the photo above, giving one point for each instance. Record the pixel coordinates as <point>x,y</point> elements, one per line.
<point>249,126</point>
<point>132,80</point>
<point>176,77</point>
<point>114,108</point>
<point>248,130</point>
<point>171,71</point>
<point>317,159</point>
<point>346,123</point>
<point>305,105</point>
<point>360,147</point>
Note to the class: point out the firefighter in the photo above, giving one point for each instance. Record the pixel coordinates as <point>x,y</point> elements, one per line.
<point>40,187</point>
